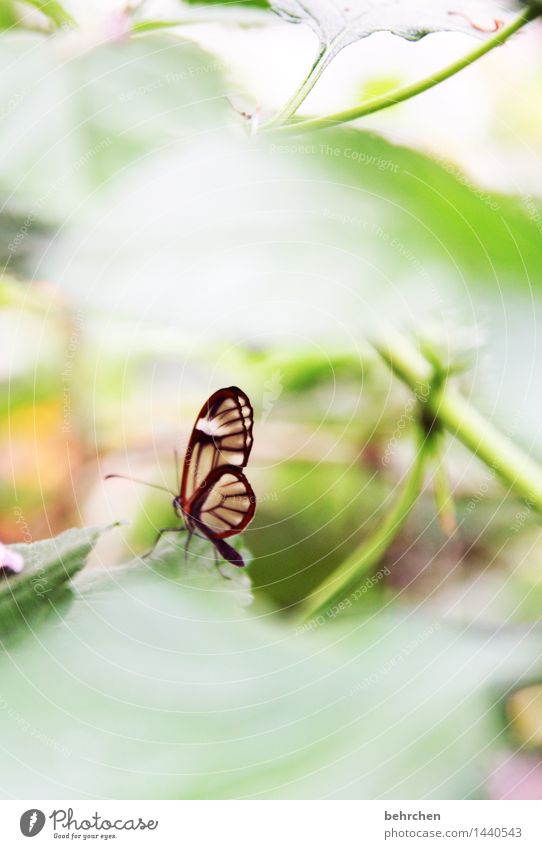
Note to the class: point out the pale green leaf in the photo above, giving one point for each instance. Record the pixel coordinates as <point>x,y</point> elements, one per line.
<point>48,567</point>
<point>154,687</point>
<point>339,24</point>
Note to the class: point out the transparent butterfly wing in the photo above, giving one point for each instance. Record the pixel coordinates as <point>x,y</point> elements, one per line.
<point>222,435</point>
<point>224,505</point>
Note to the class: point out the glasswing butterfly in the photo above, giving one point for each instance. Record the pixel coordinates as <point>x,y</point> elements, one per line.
<point>215,500</point>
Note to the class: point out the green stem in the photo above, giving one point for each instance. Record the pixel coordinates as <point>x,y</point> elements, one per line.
<point>53,10</point>
<point>323,59</point>
<point>411,90</point>
<point>349,574</point>
<point>444,499</point>
<point>516,470</point>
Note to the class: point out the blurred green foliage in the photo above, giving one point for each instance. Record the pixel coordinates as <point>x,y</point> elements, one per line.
<point>180,255</point>
<point>165,688</point>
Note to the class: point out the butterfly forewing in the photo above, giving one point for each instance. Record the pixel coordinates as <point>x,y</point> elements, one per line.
<point>224,505</point>
<point>222,435</point>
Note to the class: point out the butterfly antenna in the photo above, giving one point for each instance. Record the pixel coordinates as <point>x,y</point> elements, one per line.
<point>145,483</point>
<point>177,469</point>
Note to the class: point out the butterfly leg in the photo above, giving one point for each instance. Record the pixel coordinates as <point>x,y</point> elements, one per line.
<point>187,543</point>
<point>177,468</point>
<point>217,564</point>
<point>161,532</point>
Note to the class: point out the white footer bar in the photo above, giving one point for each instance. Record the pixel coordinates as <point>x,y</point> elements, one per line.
<point>272,824</point>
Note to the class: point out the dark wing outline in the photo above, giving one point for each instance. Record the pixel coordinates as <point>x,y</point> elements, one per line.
<point>193,508</point>
<point>199,439</point>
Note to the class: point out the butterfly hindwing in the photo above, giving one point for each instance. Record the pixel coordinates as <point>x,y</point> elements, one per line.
<point>224,505</point>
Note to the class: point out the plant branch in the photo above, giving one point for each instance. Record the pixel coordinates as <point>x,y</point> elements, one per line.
<point>411,90</point>
<point>323,59</point>
<point>511,465</point>
<point>366,556</point>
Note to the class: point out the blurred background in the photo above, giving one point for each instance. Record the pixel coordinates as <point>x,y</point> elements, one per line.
<point>152,251</point>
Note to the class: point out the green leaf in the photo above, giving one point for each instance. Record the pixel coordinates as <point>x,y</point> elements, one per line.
<point>261,4</point>
<point>378,229</point>
<point>54,11</point>
<point>198,568</point>
<point>337,25</point>
<point>8,15</point>
<point>100,112</point>
<point>154,687</point>
<point>243,13</point>
<point>49,566</point>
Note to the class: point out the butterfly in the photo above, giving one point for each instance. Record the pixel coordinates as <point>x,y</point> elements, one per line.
<point>214,499</point>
